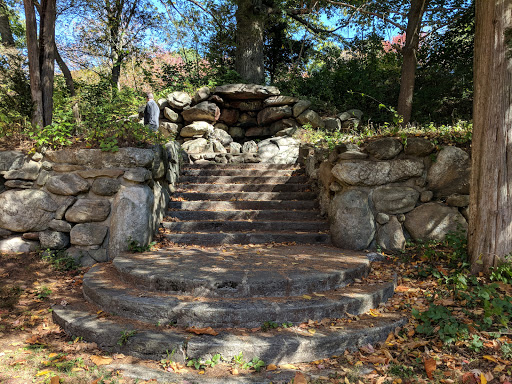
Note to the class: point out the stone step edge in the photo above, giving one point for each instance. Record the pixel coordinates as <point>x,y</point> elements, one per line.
<point>273,348</point>
<point>230,312</point>
<point>245,225</point>
<point>242,166</point>
<point>213,239</point>
<point>128,272</point>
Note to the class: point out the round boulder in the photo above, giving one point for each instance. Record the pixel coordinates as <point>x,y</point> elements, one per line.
<point>450,173</point>
<point>395,200</point>
<point>385,148</point>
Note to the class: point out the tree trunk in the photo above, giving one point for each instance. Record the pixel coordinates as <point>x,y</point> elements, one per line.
<point>47,55</point>
<point>33,64</point>
<point>249,60</point>
<point>412,39</point>
<point>490,221</point>
<point>5,26</point>
<point>65,72</point>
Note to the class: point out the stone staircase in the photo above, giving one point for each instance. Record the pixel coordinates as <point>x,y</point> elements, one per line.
<point>244,204</point>
<point>249,248</point>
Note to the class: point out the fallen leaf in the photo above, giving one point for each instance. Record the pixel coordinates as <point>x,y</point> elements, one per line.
<point>55,380</point>
<point>312,331</point>
<point>374,313</point>
<point>483,380</point>
<point>43,373</point>
<point>234,371</point>
<point>202,331</point>
<point>288,366</point>
<point>430,367</point>
<point>101,360</point>
<point>306,297</point>
<point>299,378</point>
<point>271,367</point>
<point>490,358</point>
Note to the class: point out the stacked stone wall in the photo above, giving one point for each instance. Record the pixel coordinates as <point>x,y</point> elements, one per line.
<point>85,201</point>
<point>389,191</point>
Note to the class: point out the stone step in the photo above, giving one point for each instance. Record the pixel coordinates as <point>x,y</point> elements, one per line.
<point>102,288</point>
<point>243,187</point>
<point>243,180</point>
<point>245,196</point>
<point>212,239</point>
<point>242,172</point>
<point>242,271</point>
<point>291,345</point>
<point>302,205</point>
<point>273,215</point>
<point>264,166</point>
<point>244,226</point>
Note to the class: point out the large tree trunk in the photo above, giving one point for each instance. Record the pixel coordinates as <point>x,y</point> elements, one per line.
<point>249,60</point>
<point>5,27</point>
<point>70,84</point>
<point>33,64</point>
<point>490,221</point>
<point>410,61</point>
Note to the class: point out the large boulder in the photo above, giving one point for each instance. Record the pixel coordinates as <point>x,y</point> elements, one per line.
<point>385,148</point>
<point>236,132</point>
<point>282,125</point>
<point>28,171</point>
<point>395,200</point>
<point>279,150</point>
<point>369,173</point>
<point>432,221</point>
<point>88,234</point>
<point>86,210</point>
<point>279,100</point>
<point>246,91</point>
<point>18,244</point>
<point>201,94</point>
<point>418,146</point>
<point>271,114</point>
<point>351,114</point>
<point>197,128</point>
<point>98,159</point>
<point>8,158</point>
<point>204,111</point>
<point>332,124</point>
<point>53,240</point>
<point>229,116</point>
<point>390,236</point>
<point>246,105</point>
<point>450,173</point>
<point>179,100</point>
<point>312,118</point>
<point>222,136</point>
<point>300,107</point>
<point>195,146</point>
<point>171,115</point>
<point>131,218</point>
<point>325,175</point>
<point>352,225</point>
<point>67,184</point>
<point>26,210</point>
<point>105,186</point>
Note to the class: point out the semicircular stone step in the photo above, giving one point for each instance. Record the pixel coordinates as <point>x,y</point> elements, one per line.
<point>272,215</point>
<point>206,205</point>
<point>290,345</point>
<point>244,196</point>
<point>229,226</point>
<point>211,239</point>
<point>242,172</point>
<point>242,271</point>
<point>243,188</point>
<point>243,179</point>
<point>123,299</point>
<point>264,166</point>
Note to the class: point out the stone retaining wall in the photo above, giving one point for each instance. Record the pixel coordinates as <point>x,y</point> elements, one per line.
<point>86,201</point>
<point>389,191</point>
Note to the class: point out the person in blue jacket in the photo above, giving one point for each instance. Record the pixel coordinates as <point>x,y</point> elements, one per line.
<point>151,113</point>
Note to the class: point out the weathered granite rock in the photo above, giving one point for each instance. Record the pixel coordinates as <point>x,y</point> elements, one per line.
<point>196,128</point>
<point>395,200</point>
<point>390,236</point>
<point>310,117</point>
<point>162,103</point>
<point>458,200</point>
<point>204,111</point>
<point>426,196</point>
<point>63,207</point>
<point>385,148</point>
<point>351,114</point>
<point>93,173</point>
<point>382,218</point>
<point>324,174</point>
<point>235,148</point>
<point>229,116</point>
<point>281,125</point>
<point>195,146</point>
<point>300,107</point>
<point>160,162</point>
<point>97,159</point>
<point>352,225</point>
<point>87,210</point>
<point>53,240</point>
<point>369,173</point>
<point>418,146</point>
<point>246,91</point>
<point>222,136</point>
<point>31,235</point>
<point>221,126</point>
<point>26,210</point>
<point>18,244</point>
<point>332,124</point>
<point>450,173</point>
<point>179,100</point>
<point>67,168</point>
<point>8,158</point>
<point>68,184</point>
<point>105,186</point>
<point>138,175</point>
<point>257,131</point>
<point>201,94</point>
<point>168,130</point>
<point>171,115</point>
<point>217,146</point>
<point>22,184</point>
<point>246,105</point>
<point>271,114</point>
<point>131,218</point>
<point>432,221</point>
<point>60,225</point>
<point>274,101</point>
<point>352,155</point>
<point>81,256</point>
<point>247,120</point>
<point>88,234</point>
<point>28,171</point>
<point>250,147</point>
<point>43,177</point>
<point>5,233</point>
<point>236,132</point>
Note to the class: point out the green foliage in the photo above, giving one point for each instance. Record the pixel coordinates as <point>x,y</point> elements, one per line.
<point>506,349</point>
<point>267,325</point>
<point>402,371</point>
<point>53,136</point>
<point>167,363</point>
<point>125,335</point>
<point>438,317</point>
<point>135,247</point>
<point>476,344</point>
<point>202,364</point>
<point>9,296</point>
<point>59,259</point>
<point>239,359</point>
<point>256,364</point>
<point>502,272</point>
<point>43,292</point>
